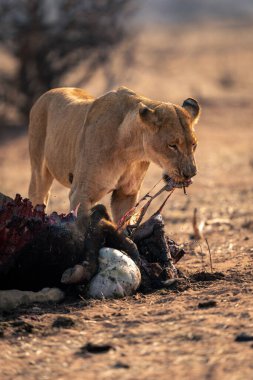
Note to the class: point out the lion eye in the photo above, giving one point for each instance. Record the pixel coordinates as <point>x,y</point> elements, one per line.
<point>174,147</point>
<point>194,146</point>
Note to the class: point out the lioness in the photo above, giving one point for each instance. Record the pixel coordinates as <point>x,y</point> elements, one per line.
<point>95,146</point>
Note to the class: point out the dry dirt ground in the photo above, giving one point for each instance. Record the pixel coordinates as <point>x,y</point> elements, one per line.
<point>202,329</point>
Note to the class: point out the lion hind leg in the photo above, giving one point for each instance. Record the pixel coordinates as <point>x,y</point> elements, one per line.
<point>40,184</point>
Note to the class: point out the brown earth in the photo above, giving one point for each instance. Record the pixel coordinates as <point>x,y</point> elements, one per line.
<point>172,332</point>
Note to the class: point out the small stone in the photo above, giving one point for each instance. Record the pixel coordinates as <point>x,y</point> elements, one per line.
<point>194,337</point>
<point>207,304</point>
<point>244,337</point>
<point>63,322</point>
<point>245,315</point>
<point>93,348</point>
<point>22,327</point>
<point>121,365</point>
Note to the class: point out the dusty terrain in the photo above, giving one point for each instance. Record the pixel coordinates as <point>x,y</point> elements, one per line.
<point>173,333</point>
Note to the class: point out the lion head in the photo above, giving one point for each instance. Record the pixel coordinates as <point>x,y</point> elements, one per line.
<point>169,139</point>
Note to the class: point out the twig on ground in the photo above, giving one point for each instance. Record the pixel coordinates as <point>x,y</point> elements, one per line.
<point>210,255</point>
<point>197,227</point>
<point>202,258</point>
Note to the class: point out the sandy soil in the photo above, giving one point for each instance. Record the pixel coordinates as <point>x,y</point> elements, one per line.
<point>175,333</point>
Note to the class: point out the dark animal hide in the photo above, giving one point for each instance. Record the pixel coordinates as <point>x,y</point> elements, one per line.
<point>35,248</point>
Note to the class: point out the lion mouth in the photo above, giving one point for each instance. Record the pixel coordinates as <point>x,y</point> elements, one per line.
<point>175,183</point>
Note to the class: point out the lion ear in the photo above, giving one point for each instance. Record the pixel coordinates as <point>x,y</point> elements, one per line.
<point>149,117</point>
<point>193,108</point>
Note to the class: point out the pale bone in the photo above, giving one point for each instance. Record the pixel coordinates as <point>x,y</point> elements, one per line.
<point>118,275</point>
<point>74,275</point>
<point>10,299</point>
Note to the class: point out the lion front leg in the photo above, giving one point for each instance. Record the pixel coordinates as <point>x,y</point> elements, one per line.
<point>121,203</point>
<point>80,201</point>
<point>126,194</point>
<point>85,198</point>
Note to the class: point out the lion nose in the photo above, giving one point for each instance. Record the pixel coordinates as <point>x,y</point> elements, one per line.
<point>189,174</point>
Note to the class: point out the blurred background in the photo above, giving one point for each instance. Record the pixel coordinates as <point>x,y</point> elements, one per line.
<point>164,49</point>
